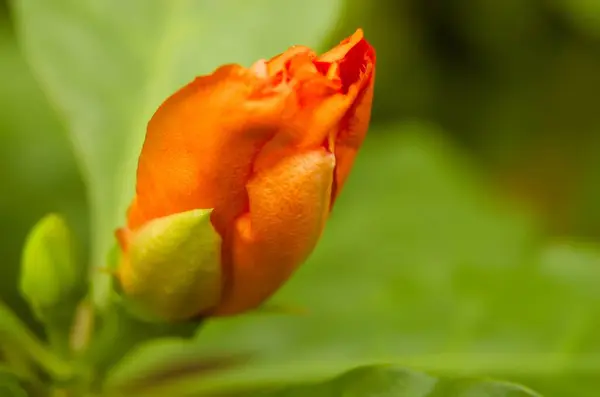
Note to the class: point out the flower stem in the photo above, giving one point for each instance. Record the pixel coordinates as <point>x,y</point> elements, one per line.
<point>120,333</point>
<point>15,334</point>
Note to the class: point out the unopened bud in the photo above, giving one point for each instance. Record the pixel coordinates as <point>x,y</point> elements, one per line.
<point>50,277</point>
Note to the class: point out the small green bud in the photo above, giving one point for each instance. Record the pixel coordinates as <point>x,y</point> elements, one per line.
<point>50,277</point>
<point>171,269</point>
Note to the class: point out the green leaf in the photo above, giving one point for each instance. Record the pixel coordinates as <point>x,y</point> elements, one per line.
<point>375,380</point>
<point>37,168</point>
<point>389,381</point>
<point>108,64</point>
<point>161,365</point>
<point>173,267</point>
<point>423,266</point>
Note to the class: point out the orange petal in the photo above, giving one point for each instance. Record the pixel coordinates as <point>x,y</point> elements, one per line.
<point>278,63</point>
<point>200,145</point>
<point>289,204</point>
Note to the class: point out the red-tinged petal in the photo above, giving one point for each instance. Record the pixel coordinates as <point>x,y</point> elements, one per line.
<point>355,60</point>
<point>351,135</point>
<point>340,51</point>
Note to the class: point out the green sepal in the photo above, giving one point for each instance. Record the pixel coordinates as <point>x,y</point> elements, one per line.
<point>51,280</point>
<point>171,269</point>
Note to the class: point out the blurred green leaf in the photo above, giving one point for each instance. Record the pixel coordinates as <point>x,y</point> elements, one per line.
<point>37,169</point>
<point>389,381</point>
<point>107,65</point>
<point>162,365</point>
<point>149,358</point>
<point>220,378</point>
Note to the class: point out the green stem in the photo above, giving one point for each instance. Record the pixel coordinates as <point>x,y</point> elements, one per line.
<point>58,339</point>
<point>57,324</point>
<point>13,332</point>
<point>15,363</point>
<point>121,332</point>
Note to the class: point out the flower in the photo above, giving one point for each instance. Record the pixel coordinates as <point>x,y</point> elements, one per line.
<point>268,149</point>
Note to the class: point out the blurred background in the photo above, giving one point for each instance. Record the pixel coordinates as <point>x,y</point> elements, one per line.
<point>467,238</point>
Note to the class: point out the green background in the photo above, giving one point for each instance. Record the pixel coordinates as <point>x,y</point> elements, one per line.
<point>465,242</point>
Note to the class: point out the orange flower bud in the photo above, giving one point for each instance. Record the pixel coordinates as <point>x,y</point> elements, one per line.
<point>268,148</point>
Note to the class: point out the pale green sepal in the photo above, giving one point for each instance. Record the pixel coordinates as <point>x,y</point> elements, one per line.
<point>171,269</point>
